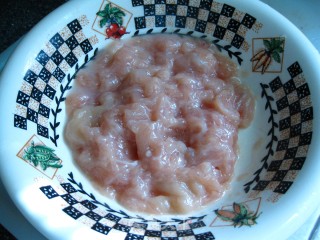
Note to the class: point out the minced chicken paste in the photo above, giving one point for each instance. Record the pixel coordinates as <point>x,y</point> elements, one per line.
<point>153,121</point>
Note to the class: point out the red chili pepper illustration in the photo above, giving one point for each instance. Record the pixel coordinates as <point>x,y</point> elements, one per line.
<point>239,216</point>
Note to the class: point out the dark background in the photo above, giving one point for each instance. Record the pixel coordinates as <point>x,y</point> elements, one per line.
<point>17,17</point>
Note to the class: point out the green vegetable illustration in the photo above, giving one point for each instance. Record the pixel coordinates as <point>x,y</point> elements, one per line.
<point>43,155</point>
<point>263,58</point>
<point>240,216</point>
<point>112,17</point>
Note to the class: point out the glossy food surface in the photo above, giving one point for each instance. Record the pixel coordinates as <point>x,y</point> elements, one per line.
<point>154,121</point>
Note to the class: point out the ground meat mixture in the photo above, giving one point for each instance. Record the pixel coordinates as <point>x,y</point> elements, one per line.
<point>153,121</point>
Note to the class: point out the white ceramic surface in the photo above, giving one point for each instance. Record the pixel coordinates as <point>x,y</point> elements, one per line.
<point>281,213</point>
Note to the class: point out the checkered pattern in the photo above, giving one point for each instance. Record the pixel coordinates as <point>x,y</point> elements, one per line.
<point>295,131</point>
<point>222,21</point>
<point>45,75</point>
<point>104,222</point>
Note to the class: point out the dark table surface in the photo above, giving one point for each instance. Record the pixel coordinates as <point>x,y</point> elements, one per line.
<point>19,16</point>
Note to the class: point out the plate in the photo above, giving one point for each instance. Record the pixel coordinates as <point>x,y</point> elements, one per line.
<point>274,176</point>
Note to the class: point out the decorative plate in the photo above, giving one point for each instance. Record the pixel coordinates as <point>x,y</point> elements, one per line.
<point>273,189</point>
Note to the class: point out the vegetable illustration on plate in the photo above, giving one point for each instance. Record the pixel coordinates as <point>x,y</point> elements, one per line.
<point>43,155</point>
<point>272,50</point>
<point>112,18</point>
<point>239,216</point>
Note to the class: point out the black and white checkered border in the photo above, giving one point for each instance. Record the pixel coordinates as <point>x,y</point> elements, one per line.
<point>222,21</point>
<point>295,111</point>
<point>49,69</point>
<point>105,221</point>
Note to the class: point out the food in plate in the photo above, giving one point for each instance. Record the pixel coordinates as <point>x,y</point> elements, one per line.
<point>153,121</point>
